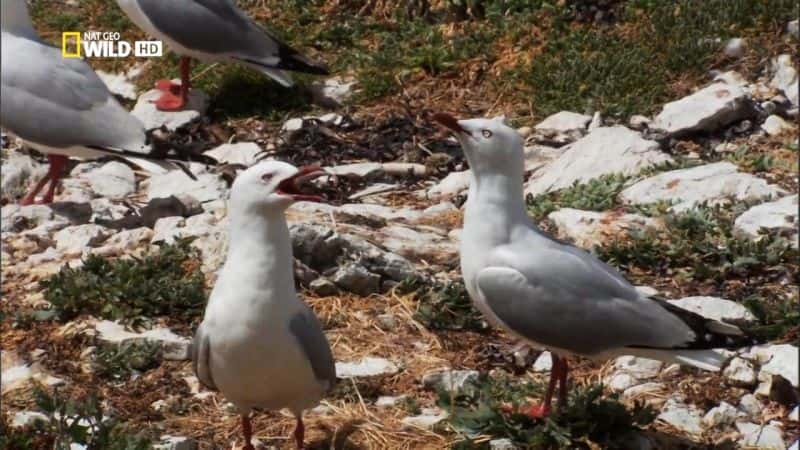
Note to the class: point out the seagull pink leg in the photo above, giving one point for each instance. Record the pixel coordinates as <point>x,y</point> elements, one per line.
<point>562,385</point>
<point>300,433</point>
<point>30,196</point>
<point>57,164</point>
<point>556,373</point>
<point>247,430</point>
<point>174,96</point>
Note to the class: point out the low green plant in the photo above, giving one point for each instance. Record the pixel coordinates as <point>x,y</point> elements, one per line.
<point>445,306</point>
<point>490,407</point>
<point>119,361</point>
<point>598,194</point>
<point>72,421</point>
<point>700,244</point>
<point>166,282</point>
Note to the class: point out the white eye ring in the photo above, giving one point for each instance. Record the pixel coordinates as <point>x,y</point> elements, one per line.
<point>267,176</point>
<point>486,133</point>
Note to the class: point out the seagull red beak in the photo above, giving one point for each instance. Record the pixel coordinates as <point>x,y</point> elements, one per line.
<point>449,122</point>
<point>292,186</point>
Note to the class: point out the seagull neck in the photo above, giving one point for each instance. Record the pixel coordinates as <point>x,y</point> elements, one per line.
<point>497,196</point>
<point>259,241</point>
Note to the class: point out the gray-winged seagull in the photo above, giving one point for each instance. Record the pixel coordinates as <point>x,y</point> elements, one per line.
<point>258,343</point>
<point>553,295</point>
<point>213,30</point>
<point>60,107</point>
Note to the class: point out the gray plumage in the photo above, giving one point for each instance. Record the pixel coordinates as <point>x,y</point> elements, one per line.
<point>306,328</point>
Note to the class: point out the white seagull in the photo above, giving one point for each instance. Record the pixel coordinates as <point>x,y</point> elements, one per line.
<point>555,296</point>
<point>213,31</point>
<point>258,344</point>
<point>60,107</point>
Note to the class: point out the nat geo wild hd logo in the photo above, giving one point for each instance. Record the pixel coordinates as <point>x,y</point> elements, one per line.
<point>106,44</point>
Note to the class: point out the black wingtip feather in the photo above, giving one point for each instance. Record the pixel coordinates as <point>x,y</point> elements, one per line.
<point>709,333</point>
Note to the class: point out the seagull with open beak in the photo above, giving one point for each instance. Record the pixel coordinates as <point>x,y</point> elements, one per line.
<point>258,343</point>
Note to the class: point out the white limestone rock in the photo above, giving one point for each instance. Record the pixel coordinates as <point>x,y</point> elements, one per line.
<point>114,180</point>
<point>716,308</point>
<point>366,367</point>
<point>589,228</point>
<point>453,184</point>
<point>146,111</point>
<point>606,150</point>
<point>713,183</point>
<point>427,420</point>
<point>685,418</point>
<point>778,214</point>
<point>174,347</point>
<point>75,239</point>
<point>206,187</point>
<point>760,436</point>
<point>564,121</point>
<point>740,372</point>
<point>708,109</point>
<point>785,78</point>
<point>244,153</point>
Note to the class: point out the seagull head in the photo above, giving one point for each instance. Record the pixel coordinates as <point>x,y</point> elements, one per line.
<point>490,145</point>
<point>273,185</point>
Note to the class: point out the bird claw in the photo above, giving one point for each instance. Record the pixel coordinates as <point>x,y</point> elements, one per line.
<point>170,102</point>
<point>536,412</point>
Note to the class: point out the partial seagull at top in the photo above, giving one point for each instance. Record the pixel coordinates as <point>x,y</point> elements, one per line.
<point>551,294</point>
<point>213,31</point>
<point>60,107</point>
<point>258,343</point>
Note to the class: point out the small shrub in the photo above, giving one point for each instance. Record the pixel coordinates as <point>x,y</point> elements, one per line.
<point>599,194</point>
<point>167,282</point>
<point>446,307</point>
<point>489,408</point>
<point>71,421</point>
<point>119,361</point>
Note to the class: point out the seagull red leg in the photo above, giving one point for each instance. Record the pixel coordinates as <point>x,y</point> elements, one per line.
<point>174,96</point>
<point>299,433</point>
<point>55,173</point>
<point>562,385</point>
<point>543,410</point>
<point>30,196</point>
<point>247,430</point>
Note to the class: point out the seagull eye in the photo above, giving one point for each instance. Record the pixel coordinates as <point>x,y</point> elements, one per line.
<point>487,134</point>
<point>267,176</point>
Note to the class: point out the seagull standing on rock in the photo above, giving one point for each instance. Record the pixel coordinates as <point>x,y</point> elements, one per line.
<point>61,108</point>
<point>551,294</point>
<point>258,343</point>
<point>213,31</point>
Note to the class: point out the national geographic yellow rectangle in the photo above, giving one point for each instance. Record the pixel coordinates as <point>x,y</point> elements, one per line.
<point>65,41</point>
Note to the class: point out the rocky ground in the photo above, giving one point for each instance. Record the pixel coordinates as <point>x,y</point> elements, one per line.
<point>697,202</point>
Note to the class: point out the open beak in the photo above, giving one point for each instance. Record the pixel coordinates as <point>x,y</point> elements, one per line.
<point>293,185</point>
<point>449,122</point>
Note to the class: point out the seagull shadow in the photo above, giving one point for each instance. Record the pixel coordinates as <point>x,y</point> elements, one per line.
<point>338,438</point>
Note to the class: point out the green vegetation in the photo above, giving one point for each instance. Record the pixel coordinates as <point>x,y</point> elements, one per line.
<point>630,62</point>
<point>445,307</point>
<point>71,421</point>
<point>598,194</point>
<point>119,361</point>
<point>167,282</point>
<point>700,245</point>
<point>491,407</point>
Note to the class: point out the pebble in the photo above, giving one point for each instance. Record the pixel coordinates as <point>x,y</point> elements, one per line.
<point>366,367</point>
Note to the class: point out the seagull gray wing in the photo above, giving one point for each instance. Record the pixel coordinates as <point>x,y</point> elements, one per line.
<point>200,352</point>
<point>564,298</point>
<point>219,27</point>
<point>306,328</point>
<point>60,102</point>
